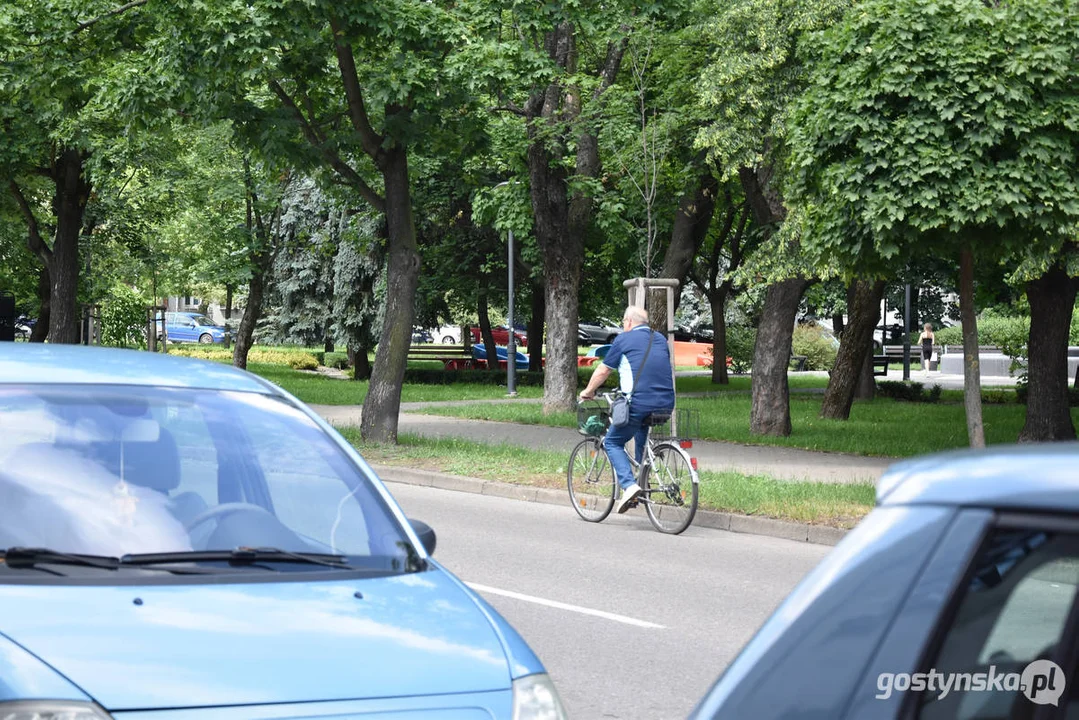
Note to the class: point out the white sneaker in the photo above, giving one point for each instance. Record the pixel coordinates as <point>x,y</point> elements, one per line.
<point>629,494</point>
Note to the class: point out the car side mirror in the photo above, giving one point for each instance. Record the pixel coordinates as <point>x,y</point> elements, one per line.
<point>426,535</point>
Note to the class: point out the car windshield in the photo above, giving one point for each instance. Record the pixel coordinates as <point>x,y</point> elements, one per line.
<point>119,470</point>
<point>203,320</point>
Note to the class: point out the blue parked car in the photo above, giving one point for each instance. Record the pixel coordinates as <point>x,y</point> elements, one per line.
<point>955,598</point>
<point>479,352</point>
<point>191,327</point>
<point>182,540</point>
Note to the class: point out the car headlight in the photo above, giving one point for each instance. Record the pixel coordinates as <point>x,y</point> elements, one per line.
<point>534,698</point>
<point>51,710</point>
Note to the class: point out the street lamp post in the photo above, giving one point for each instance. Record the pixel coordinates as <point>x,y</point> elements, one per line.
<point>511,341</point>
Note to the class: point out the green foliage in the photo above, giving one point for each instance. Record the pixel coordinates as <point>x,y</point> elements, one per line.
<point>122,318</point>
<point>931,124</point>
<point>741,339</point>
<point>908,391</point>
<point>335,360</point>
<point>819,350</point>
<point>295,359</point>
<point>1022,391</point>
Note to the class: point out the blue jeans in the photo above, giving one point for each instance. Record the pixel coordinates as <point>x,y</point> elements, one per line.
<point>615,445</point>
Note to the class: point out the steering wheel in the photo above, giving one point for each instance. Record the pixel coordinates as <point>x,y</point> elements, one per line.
<point>224,510</point>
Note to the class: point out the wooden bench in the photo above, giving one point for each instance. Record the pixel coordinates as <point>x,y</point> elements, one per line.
<point>452,357</point>
<point>880,365</point>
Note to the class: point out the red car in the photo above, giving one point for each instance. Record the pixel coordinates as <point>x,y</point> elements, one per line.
<point>501,335</point>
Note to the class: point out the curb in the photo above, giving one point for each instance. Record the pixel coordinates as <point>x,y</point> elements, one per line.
<point>731,522</point>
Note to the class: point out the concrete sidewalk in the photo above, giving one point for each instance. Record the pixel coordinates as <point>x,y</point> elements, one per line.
<point>780,462</point>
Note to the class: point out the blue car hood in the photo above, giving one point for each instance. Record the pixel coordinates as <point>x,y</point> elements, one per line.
<point>255,643</point>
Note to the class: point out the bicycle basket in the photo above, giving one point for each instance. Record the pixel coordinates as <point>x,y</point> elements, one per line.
<point>593,418</point>
<point>687,426</point>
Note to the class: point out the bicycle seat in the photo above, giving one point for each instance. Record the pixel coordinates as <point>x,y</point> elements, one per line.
<point>657,418</point>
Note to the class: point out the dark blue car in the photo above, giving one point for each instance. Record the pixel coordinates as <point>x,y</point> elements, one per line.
<point>955,598</point>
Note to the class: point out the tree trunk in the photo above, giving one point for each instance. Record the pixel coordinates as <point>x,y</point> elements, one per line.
<point>535,326</point>
<point>228,301</point>
<point>837,325</point>
<point>972,383</point>
<point>327,343</point>
<point>361,364</point>
<point>770,414</point>
<point>40,330</point>
<point>854,348</point>
<point>691,223</point>
<point>378,422</point>
<point>69,206</point>
<point>562,270</point>
<point>1052,298</point>
<point>718,304</point>
<point>485,329</point>
<point>866,387</point>
<point>256,287</point>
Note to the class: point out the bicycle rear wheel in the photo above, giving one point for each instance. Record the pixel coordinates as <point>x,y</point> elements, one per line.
<point>591,480</point>
<point>670,486</point>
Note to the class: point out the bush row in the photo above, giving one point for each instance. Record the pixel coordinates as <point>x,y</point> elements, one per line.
<point>910,392</point>
<point>292,358</point>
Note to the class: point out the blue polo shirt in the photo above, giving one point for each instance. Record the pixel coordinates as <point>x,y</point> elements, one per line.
<point>655,387</point>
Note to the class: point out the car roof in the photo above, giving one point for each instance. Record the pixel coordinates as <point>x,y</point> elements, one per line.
<point>1035,476</point>
<point>38,363</point>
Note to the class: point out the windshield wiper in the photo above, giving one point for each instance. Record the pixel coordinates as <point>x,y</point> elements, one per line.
<point>27,557</point>
<point>240,556</point>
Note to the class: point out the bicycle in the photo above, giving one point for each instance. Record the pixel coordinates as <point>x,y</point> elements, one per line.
<point>667,474</point>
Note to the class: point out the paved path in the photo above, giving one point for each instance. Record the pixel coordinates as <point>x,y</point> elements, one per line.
<point>673,611</point>
<point>780,462</point>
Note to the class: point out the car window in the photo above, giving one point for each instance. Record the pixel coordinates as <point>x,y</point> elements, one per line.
<point>1013,613</point>
<point>117,470</point>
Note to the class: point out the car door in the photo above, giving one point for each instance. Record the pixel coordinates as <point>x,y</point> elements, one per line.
<point>994,628</point>
<point>182,329</point>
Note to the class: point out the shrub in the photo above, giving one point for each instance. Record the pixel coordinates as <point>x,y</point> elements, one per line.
<point>335,360</point>
<point>122,318</point>
<point>908,392</point>
<point>1022,390</point>
<point>741,340</point>
<point>819,351</point>
<point>298,361</point>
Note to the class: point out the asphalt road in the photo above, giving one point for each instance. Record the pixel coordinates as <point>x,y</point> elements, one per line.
<point>630,623</point>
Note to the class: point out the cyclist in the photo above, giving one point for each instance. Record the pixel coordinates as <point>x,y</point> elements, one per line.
<point>654,392</point>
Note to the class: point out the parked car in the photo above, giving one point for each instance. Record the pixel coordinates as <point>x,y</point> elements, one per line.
<point>501,335</point>
<point>421,336</point>
<point>700,334</point>
<point>447,335</point>
<point>966,570</point>
<point>191,327</point>
<point>598,332</point>
<point>181,537</point>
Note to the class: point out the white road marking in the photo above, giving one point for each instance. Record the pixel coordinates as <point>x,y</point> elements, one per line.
<point>564,606</point>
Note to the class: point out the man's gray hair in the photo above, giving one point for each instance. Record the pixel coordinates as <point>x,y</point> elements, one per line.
<point>636,315</point>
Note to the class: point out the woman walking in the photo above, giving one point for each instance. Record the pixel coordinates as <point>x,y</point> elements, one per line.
<point>927,338</point>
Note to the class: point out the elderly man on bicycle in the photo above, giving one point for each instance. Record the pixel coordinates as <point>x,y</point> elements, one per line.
<point>640,357</point>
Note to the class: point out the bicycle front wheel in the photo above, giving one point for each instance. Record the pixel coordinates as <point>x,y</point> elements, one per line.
<point>670,486</point>
<point>591,480</point>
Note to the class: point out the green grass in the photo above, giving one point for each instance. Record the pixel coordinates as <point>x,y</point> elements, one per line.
<point>318,390</point>
<point>743,383</point>
<point>838,505</point>
<point>882,427</point>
